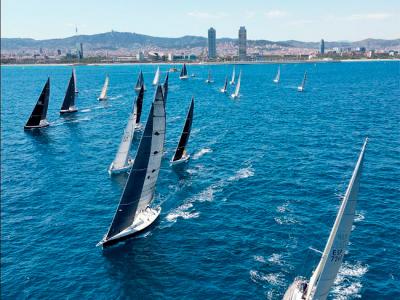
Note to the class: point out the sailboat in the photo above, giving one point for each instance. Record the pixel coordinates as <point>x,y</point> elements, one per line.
<point>233,77</point>
<point>139,105</point>
<point>223,89</point>
<point>156,77</point>
<point>184,73</point>
<point>165,88</point>
<point>76,87</point>
<point>237,89</point>
<point>180,152</point>
<point>140,82</point>
<point>68,105</point>
<point>324,275</point>
<point>134,213</point>
<point>303,83</point>
<point>209,79</point>
<point>278,75</point>
<point>103,94</point>
<point>122,162</point>
<point>37,118</point>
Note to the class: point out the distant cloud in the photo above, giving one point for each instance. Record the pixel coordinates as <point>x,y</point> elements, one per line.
<point>276,14</point>
<point>250,14</point>
<point>369,16</point>
<point>206,15</point>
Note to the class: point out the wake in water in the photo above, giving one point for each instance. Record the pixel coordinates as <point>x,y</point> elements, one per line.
<point>348,282</point>
<point>200,153</point>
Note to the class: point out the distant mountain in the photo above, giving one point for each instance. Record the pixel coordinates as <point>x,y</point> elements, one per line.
<point>114,40</point>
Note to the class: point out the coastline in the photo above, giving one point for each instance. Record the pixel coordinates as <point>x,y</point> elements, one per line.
<point>206,63</point>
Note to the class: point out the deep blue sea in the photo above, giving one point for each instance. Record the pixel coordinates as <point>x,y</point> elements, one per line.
<point>244,217</point>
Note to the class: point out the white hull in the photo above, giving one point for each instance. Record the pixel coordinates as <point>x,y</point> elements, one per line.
<point>234,96</point>
<point>184,159</point>
<point>295,291</point>
<point>72,109</point>
<point>142,220</point>
<point>184,77</point>
<point>209,81</point>
<point>300,89</point>
<point>276,81</point>
<point>125,169</point>
<point>222,90</point>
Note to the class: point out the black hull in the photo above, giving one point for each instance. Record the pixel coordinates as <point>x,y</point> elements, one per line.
<point>108,244</point>
<point>68,112</point>
<point>35,127</point>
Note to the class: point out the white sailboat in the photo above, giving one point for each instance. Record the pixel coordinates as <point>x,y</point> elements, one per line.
<point>103,94</point>
<point>324,275</point>
<point>278,75</point>
<point>209,78</point>
<point>237,89</point>
<point>76,87</point>
<point>223,89</point>
<point>134,213</point>
<point>233,77</point>
<point>303,83</point>
<point>122,162</point>
<point>157,77</point>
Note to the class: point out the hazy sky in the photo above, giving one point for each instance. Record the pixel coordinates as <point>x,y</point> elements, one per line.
<point>272,20</point>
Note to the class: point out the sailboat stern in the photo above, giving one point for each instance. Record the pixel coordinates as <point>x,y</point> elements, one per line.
<point>144,221</point>
<point>184,159</point>
<point>297,290</point>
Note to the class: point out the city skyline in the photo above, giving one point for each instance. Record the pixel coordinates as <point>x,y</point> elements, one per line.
<point>282,21</point>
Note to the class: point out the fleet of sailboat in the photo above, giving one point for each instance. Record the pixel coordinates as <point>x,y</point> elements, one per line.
<point>37,118</point>
<point>303,83</point>
<point>184,74</point>
<point>134,213</point>
<point>278,75</point>
<point>156,77</point>
<point>140,82</point>
<point>324,275</point>
<point>237,89</point>
<point>103,94</point>
<point>68,105</point>
<point>180,154</point>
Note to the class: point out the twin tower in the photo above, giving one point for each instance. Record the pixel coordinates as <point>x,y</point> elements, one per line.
<point>212,43</point>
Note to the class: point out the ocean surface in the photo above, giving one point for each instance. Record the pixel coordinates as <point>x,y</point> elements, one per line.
<point>241,220</point>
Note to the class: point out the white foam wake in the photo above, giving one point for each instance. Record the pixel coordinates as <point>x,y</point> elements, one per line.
<point>348,281</point>
<point>200,153</point>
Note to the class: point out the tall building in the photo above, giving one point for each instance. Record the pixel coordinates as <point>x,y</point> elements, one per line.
<point>322,47</point>
<point>242,43</point>
<point>212,44</point>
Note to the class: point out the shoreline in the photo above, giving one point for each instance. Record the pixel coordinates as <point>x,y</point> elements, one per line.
<point>205,63</point>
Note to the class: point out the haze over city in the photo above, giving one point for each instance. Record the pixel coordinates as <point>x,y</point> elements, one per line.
<point>342,20</point>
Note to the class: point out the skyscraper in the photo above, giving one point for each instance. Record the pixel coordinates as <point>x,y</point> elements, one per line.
<point>242,43</point>
<point>322,47</point>
<point>212,47</point>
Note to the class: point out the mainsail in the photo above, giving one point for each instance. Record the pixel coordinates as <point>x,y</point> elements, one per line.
<point>139,105</point>
<point>38,115</point>
<point>303,83</point>
<point>165,88</point>
<point>237,89</point>
<point>76,87</point>
<point>223,90</point>
<point>156,77</point>
<point>68,105</point>
<point>122,156</point>
<point>209,78</point>
<point>332,257</point>
<point>183,72</point>
<point>181,148</point>
<point>103,94</point>
<point>140,186</point>
<point>233,76</point>
<point>140,82</point>
<point>278,75</point>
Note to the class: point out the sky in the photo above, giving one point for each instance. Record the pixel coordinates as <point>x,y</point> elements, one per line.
<point>338,20</point>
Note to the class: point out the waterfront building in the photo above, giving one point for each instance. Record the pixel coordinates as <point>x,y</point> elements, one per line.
<point>212,44</point>
<point>242,43</point>
<point>322,47</point>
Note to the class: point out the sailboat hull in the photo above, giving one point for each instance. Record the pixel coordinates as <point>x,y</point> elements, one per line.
<point>222,90</point>
<point>276,80</point>
<point>296,290</point>
<point>113,171</point>
<point>184,159</point>
<point>68,111</point>
<point>300,89</point>
<point>42,124</point>
<point>143,222</point>
<point>184,77</point>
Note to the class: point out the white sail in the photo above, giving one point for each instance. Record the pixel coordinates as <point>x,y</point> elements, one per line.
<point>157,77</point>
<point>332,257</point>
<point>233,76</point>
<point>122,156</point>
<point>103,94</point>
<point>303,83</point>
<point>237,89</point>
<point>278,75</point>
<point>76,87</point>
